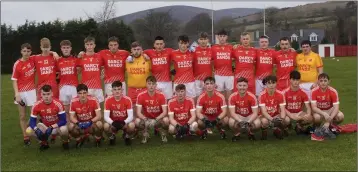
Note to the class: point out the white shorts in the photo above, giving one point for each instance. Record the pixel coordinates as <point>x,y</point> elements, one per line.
<point>199,86</point>
<point>108,89</point>
<point>28,97</point>
<point>98,93</point>
<point>190,89</point>
<point>224,83</point>
<point>259,87</point>
<point>67,92</point>
<point>306,87</point>
<point>166,88</point>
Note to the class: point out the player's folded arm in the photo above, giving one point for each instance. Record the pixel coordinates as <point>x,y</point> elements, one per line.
<point>171,118</point>
<point>223,113</point>
<point>264,111</point>
<point>62,119</point>
<point>33,121</point>
<point>98,115</point>
<point>254,113</point>
<point>73,118</point>
<point>283,110</point>
<point>315,109</point>
<point>107,117</point>
<point>139,112</point>
<point>198,112</point>
<point>335,110</point>
<point>129,117</point>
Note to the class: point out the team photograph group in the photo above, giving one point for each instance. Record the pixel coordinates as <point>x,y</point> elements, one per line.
<point>221,90</point>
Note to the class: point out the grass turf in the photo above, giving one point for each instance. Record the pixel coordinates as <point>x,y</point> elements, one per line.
<point>295,153</point>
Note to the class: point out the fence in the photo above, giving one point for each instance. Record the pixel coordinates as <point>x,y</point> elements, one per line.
<point>345,50</point>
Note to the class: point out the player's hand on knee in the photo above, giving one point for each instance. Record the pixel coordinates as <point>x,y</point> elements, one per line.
<point>118,125</point>
<point>207,123</point>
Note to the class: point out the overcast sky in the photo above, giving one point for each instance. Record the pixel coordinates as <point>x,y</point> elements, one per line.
<point>15,13</point>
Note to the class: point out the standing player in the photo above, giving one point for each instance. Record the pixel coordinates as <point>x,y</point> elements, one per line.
<point>160,58</point>
<point>183,66</point>
<point>244,110</point>
<point>264,63</point>
<point>114,65</point>
<point>67,74</point>
<point>181,111</point>
<point>211,109</point>
<point>272,104</point>
<point>202,63</point>
<point>222,57</point>
<point>285,61</point>
<point>245,58</point>
<point>296,102</point>
<point>53,119</point>
<point>90,65</point>
<point>85,117</point>
<point>310,65</point>
<point>118,114</point>
<point>152,110</point>
<point>23,82</point>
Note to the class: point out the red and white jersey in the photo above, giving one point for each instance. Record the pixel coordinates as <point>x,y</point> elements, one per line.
<point>91,70</point>
<point>202,63</point>
<point>245,60</point>
<point>243,105</point>
<point>222,56</point>
<point>45,69</point>
<point>211,106</point>
<point>183,65</point>
<point>295,100</point>
<point>272,103</point>
<point>181,110</point>
<point>114,65</point>
<point>84,111</point>
<point>66,67</point>
<point>48,112</point>
<point>264,63</point>
<point>118,108</point>
<point>285,63</point>
<point>151,105</point>
<point>325,99</point>
<point>160,63</point>
<point>24,73</point>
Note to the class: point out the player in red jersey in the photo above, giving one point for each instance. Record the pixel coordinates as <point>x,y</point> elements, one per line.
<point>325,104</point>
<point>211,109</point>
<point>285,61</point>
<point>222,57</point>
<point>90,65</point>
<point>245,61</point>
<point>114,60</point>
<point>53,119</point>
<point>296,101</point>
<point>183,66</point>
<point>160,58</point>
<point>152,111</point>
<point>85,117</point>
<point>202,63</point>
<point>264,63</point>
<point>181,111</point>
<point>66,67</point>
<point>272,105</point>
<point>118,114</point>
<point>243,108</point>
<point>23,83</point>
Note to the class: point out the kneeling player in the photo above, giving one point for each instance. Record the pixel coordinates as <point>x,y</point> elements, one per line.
<point>243,109</point>
<point>211,109</point>
<point>272,104</point>
<point>181,113</point>
<point>152,110</point>
<point>295,98</point>
<point>118,114</point>
<point>325,103</point>
<point>53,119</point>
<point>85,117</point>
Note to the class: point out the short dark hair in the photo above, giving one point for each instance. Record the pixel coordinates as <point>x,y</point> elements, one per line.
<point>222,32</point>
<point>151,79</point>
<point>135,44</point>
<point>113,39</point>
<point>82,87</point>
<point>242,79</point>
<point>203,35</point>
<point>270,78</point>
<point>46,88</point>
<point>89,38</point>
<point>65,43</point>
<point>306,42</point>
<point>158,38</point>
<point>284,39</point>
<point>183,38</point>
<point>264,37</point>
<point>323,76</point>
<point>26,45</point>
<point>209,78</point>
<point>117,84</point>
<point>295,75</point>
<point>180,87</point>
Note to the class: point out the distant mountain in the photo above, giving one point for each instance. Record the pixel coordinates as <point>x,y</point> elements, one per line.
<point>186,13</point>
